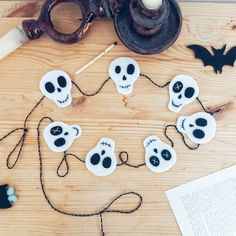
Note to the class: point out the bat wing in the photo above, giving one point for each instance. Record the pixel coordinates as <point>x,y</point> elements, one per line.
<point>230,57</point>
<point>202,54</point>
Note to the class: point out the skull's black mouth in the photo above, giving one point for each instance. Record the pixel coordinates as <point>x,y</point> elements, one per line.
<point>125,87</point>
<point>64,101</point>
<point>177,106</point>
<point>150,142</point>
<point>182,124</point>
<point>106,144</point>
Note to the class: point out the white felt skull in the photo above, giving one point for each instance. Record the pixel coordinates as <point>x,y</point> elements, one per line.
<point>183,90</point>
<point>60,136</point>
<point>56,85</point>
<point>101,161</point>
<point>200,127</point>
<point>160,157</point>
<point>124,71</point>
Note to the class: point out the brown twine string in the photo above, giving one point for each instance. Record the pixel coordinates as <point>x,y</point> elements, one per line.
<point>204,109</point>
<point>93,94</point>
<point>153,82</point>
<point>98,213</point>
<point>183,138</point>
<point>21,142</point>
<point>124,162</point>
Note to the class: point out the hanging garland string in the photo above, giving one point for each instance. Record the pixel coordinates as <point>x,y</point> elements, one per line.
<point>97,213</point>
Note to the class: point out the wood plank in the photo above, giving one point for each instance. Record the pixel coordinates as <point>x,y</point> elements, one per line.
<point>128,120</point>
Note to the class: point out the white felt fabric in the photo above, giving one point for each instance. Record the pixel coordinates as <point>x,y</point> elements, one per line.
<point>11,195</point>
<point>12,199</point>
<point>101,160</point>
<point>182,90</point>
<point>10,191</point>
<point>60,136</point>
<point>124,71</point>
<point>56,85</point>
<point>160,157</point>
<point>200,127</point>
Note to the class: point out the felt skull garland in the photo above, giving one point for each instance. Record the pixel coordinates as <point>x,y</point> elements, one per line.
<point>56,85</point>
<point>7,196</point>
<point>200,127</point>
<point>101,160</point>
<point>60,136</point>
<point>124,71</point>
<point>160,157</point>
<point>183,90</point>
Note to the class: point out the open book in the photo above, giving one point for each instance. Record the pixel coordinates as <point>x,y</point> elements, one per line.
<point>206,206</point>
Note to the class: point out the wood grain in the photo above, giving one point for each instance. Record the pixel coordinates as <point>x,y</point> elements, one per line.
<point>128,120</point>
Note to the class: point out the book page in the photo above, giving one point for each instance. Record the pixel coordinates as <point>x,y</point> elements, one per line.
<point>207,206</point>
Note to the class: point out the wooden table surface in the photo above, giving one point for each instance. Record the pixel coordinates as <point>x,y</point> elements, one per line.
<point>128,120</point>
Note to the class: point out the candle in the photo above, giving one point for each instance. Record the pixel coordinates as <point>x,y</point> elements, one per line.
<point>11,41</point>
<point>152,4</point>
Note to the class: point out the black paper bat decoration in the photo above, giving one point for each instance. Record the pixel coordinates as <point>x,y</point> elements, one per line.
<point>218,60</point>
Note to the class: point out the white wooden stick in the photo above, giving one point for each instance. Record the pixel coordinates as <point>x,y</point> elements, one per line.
<point>96,58</point>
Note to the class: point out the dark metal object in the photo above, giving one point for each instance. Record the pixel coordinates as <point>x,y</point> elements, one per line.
<point>141,30</point>
<point>148,40</point>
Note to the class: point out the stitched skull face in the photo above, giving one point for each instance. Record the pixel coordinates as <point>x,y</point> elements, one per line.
<point>200,127</point>
<point>101,161</point>
<point>56,85</point>
<point>160,157</point>
<point>124,71</point>
<point>60,136</point>
<point>183,90</point>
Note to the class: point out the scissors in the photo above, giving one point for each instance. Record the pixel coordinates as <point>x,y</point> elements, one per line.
<point>133,23</point>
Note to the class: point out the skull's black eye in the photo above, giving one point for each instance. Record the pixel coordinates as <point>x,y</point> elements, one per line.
<point>60,142</point>
<point>189,92</point>
<point>166,155</point>
<point>199,134</point>
<point>57,130</point>
<point>178,86</point>
<point>130,69</point>
<point>118,69</point>
<point>95,159</point>
<point>107,162</point>
<point>154,161</point>
<point>62,81</point>
<point>49,87</point>
<point>201,122</point>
